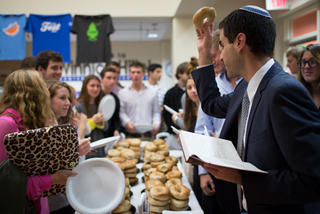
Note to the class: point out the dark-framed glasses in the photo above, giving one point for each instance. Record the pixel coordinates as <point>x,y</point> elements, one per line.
<point>311,62</point>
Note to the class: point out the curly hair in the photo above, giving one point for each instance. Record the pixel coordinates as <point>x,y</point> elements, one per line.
<point>25,91</point>
<point>84,96</point>
<point>53,86</point>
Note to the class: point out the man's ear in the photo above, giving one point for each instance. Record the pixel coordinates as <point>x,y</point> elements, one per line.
<point>41,70</point>
<point>240,41</point>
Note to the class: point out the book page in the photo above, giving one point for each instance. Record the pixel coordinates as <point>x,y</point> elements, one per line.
<point>212,150</point>
<point>209,146</point>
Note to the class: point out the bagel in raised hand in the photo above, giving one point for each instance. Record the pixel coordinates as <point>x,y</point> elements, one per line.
<point>202,15</point>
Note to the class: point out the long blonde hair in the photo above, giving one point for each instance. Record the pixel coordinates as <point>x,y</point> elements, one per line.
<point>25,91</point>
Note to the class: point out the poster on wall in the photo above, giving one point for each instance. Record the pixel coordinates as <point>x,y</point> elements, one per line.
<point>12,36</point>
<point>51,32</point>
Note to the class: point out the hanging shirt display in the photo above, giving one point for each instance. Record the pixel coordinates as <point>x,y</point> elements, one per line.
<point>12,37</point>
<point>51,32</point>
<point>93,43</point>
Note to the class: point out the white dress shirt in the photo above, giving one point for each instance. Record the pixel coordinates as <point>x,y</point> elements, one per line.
<point>139,107</point>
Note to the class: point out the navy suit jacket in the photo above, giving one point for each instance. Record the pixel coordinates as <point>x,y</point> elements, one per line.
<point>282,138</point>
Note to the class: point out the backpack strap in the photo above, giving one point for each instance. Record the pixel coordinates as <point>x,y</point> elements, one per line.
<point>10,115</point>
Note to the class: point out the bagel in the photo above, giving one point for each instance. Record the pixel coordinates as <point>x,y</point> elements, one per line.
<point>165,152</point>
<point>118,159</point>
<point>123,144</point>
<point>127,192</point>
<point>122,166</point>
<point>180,192</point>
<point>164,168</point>
<point>158,176</point>
<point>161,193</point>
<point>130,164</point>
<point>175,168</point>
<point>155,164</point>
<point>133,180</point>
<point>122,207</point>
<point>151,147</point>
<point>174,174</point>
<point>136,142</point>
<point>146,166</point>
<point>164,147</point>
<point>158,209</point>
<point>130,175</point>
<point>127,153</point>
<point>202,15</point>
<point>179,203</point>
<point>127,182</point>
<point>149,171</point>
<point>156,157</point>
<point>156,202</point>
<point>173,182</point>
<point>158,141</point>
<point>152,182</point>
<point>131,170</point>
<point>135,148</point>
<point>171,159</point>
<point>114,153</point>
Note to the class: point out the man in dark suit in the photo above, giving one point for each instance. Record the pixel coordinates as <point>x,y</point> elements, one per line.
<point>282,131</point>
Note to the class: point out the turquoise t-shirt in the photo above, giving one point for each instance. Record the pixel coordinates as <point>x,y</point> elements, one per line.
<point>12,36</point>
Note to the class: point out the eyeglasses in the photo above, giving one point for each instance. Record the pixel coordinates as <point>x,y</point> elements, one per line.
<point>312,63</point>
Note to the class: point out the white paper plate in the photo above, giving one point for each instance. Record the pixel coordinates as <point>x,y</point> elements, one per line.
<point>144,127</point>
<point>175,153</point>
<point>170,109</point>
<point>107,106</point>
<point>104,141</point>
<point>98,188</point>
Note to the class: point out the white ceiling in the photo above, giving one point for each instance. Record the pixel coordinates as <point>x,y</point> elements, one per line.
<point>136,29</point>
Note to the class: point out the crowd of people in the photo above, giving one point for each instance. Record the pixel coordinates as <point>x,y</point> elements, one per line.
<point>235,89</point>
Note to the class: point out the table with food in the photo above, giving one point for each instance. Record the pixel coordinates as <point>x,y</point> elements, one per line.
<point>135,177</point>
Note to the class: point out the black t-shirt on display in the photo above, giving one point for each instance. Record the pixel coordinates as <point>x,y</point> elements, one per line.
<point>93,43</point>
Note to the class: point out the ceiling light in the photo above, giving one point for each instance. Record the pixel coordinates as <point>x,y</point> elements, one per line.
<point>152,35</point>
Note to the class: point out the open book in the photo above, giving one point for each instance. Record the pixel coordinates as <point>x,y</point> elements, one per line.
<point>198,149</point>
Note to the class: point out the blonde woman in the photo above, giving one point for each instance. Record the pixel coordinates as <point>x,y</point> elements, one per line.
<point>24,105</point>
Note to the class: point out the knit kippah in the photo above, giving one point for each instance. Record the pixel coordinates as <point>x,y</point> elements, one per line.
<point>256,10</point>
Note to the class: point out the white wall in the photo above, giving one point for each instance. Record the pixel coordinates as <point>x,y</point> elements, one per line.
<point>183,41</point>
<point>116,8</point>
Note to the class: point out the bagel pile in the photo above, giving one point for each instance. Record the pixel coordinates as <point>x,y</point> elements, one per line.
<point>125,205</point>
<point>126,158</point>
<point>158,196</point>
<point>179,194</point>
<point>172,195</point>
<point>157,161</point>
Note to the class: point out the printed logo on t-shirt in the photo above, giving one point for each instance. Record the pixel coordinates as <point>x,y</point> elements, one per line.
<point>93,32</point>
<point>50,26</point>
<point>12,29</point>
